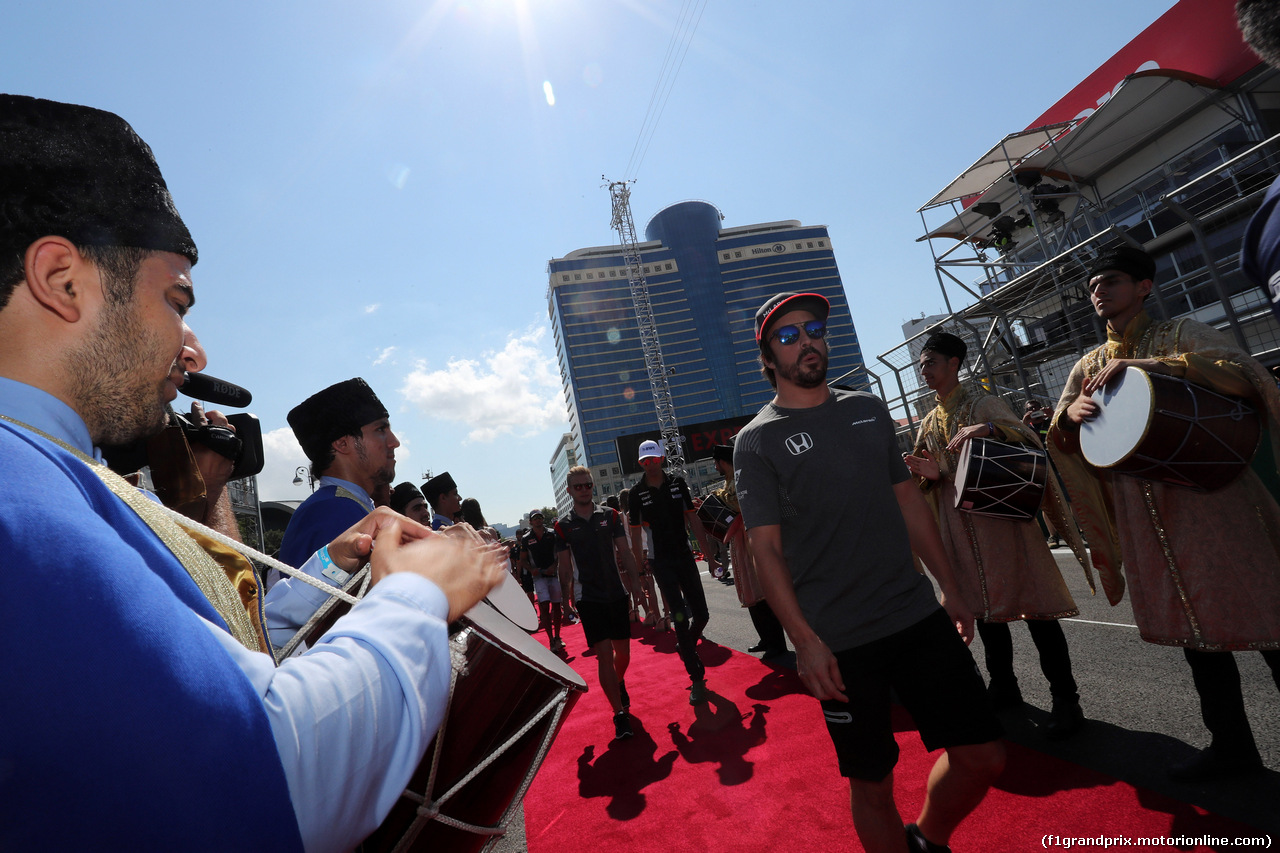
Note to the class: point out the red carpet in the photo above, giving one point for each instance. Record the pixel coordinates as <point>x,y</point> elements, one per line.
<point>754,770</point>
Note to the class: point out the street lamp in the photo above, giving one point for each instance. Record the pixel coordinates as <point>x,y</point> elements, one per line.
<point>297,477</point>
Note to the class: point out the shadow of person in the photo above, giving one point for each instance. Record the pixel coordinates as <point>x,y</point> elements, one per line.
<point>713,654</point>
<point>775,684</point>
<point>663,642</point>
<point>623,771</point>
<point>719,735</point>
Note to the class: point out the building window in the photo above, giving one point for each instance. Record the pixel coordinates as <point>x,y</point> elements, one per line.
<point>810,244</point>
<point>725,256</point>
<point>564,277</point>
<point>668,266</point>
<point>577,277</point>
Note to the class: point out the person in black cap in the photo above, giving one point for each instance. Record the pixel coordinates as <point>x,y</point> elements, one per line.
<point>1004,566</point>
<point>442,493</point>
<point>538,556</point>
<point>409,502</point>
<point>145,671</point>
<point>1203,567</point>
<point>773,640</point>
<point>663,504</point>
<point>832,517</point>
<point>346,434</point>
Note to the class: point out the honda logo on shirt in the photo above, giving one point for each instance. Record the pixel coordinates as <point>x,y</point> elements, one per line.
<point>799,443</point>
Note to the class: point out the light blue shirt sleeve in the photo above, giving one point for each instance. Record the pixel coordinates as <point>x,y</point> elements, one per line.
<point>352,717</point>
<point>291,602</point>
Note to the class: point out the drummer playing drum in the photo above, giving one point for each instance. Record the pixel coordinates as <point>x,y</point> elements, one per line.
<point>1003,565</point>
<point>1203,567</point>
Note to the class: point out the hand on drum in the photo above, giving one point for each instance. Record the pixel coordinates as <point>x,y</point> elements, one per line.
<point>351,549</point>
<point>460,562</point>
<point>1116,366</point>
<point>923,465</point>
<point>965,433</point>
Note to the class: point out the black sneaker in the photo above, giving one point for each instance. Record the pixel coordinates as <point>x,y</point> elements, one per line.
<point>623,698</point>
<point>917,843</point>
<point>698,692</point>
<point>622,726</point>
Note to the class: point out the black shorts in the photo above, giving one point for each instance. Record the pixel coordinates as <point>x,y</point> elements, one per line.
<point>610,620</point>
<point>934,675</point>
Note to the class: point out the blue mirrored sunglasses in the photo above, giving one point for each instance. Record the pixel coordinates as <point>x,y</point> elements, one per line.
<point>788,335</point>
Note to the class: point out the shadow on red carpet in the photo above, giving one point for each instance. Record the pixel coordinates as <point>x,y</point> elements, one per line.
<point>754,770</point>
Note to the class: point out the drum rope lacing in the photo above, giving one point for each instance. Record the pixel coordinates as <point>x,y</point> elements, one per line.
<point>429,809</point>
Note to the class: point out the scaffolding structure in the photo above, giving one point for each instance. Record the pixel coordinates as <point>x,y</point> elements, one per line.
<point>620,195</point>
<point>1014,235</point>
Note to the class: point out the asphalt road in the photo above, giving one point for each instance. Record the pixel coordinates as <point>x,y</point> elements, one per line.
<point>1142,709</point>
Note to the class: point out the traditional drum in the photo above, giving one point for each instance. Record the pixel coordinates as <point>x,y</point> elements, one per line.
<point>717,518</point>
<point>506,705</point>
<point>1163,428</point>
<point>1000,480</point>
<point>507,598</point>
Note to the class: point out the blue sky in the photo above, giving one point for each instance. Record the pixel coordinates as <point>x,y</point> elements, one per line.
<point>376,188</point>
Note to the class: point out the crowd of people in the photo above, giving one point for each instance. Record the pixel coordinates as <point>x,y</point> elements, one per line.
<point>148,662</point>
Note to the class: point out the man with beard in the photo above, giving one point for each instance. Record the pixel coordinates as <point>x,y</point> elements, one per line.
<point>441,493</point>
<point>832,517</point>
<point>1203,568</point>
<point>346,435</point>
<point>136,675</point>
<point>1004,566</point>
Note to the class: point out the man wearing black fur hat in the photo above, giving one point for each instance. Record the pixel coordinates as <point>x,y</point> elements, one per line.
<point>137,677</point>
<point>347,437</point>
<point>1203,568</point>
<point>345,432</point>
<point>442,493</point>
<point>1004,566</point>
<point>408,501</point>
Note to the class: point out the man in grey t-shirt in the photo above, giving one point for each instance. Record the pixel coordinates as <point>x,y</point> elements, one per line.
<point>832,516</point>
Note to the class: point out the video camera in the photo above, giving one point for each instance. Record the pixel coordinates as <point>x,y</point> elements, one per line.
<point>243,445</point>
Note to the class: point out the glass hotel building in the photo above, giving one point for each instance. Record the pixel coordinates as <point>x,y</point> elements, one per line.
<point>705,284</point>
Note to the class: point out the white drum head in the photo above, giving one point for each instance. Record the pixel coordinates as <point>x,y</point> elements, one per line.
<point>491,624</point>
<point>1126,409</point>
<point>509,599</point>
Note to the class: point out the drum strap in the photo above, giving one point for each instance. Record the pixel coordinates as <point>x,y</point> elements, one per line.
<point>206,573</point>
<point>171,528</point>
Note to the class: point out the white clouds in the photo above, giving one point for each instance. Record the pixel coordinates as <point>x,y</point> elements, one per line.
<point>514,389</point>
<point>384,355</point>
<point>369,309</point>
<point>281,456</point>
<point>548,93</point>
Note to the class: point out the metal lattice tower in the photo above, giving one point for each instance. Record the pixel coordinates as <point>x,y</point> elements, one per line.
<point>620,194</point>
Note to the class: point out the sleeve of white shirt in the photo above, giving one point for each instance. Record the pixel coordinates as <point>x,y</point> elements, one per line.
<point>291,602</point>
<point>353,716</point>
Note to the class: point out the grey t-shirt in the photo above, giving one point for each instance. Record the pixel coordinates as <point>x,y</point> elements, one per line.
<point>826,475</point>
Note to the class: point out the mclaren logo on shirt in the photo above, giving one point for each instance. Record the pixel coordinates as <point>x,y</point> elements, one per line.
<point>799,443</point>
<point>838,717</point>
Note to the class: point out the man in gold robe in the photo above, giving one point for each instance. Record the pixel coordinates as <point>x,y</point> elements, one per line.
<point>1203,568</point>
<point>1003,566</point>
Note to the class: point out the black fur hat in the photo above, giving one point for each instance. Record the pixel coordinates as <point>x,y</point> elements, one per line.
<point>82,174</point>
<point>328,415</point>
<point>403,495</point>
<point>1137,263</point>
<point>947,345</point>
<point>437,486</point>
